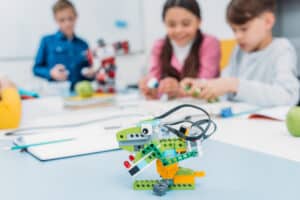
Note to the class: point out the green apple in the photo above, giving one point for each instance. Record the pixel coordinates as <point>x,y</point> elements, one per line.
<point>293,121</point>
<point>84,89</point>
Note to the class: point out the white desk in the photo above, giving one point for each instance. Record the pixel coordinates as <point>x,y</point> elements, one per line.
<point>259,135</point>
<point>233,172</point>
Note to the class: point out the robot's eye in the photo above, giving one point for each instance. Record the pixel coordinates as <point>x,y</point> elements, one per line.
<point>145,131</point>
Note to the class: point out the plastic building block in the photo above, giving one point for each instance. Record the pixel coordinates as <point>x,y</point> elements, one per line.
<point>103,61</point>
<point>166,172</point>
<point>182,187</point>
<point>152,141</point>
<point>153,83</point>
<point>144,184</point>
<point>196,93</point>
<point>226,112</point>
<point>150,184</point>
<point>161,188</point>
<point>189,176</point>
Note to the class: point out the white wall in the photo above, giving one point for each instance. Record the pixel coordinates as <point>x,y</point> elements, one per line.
<point>213,23</point>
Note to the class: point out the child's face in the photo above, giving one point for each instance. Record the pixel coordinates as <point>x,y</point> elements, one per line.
<point>182,25</point>
<point>253,35</point>
<point>66,20</point>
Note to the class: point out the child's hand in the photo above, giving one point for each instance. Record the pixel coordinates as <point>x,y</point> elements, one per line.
<point>59,73</point>
<point>88,72</point>
<point>169,86</point>
<point>189,87</point>
<point>212,89</point>
<point>146,91</point>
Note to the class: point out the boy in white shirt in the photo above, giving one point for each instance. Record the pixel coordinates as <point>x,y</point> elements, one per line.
<point>263,69</point>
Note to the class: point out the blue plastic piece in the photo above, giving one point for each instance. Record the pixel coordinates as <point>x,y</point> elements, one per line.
<point>153,83</point>
<point>226,112</point>
<point>23,92</point>
<point>121,24</point>
<point>170,153</point>
<point>142,164</point>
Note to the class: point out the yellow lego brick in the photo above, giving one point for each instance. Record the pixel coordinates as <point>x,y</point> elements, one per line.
<point>183,150</point>
<point>166,172</point>
<point>199,174</point>
<point>188,179</point>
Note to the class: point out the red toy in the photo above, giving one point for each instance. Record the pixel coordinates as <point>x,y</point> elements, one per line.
<point>103,59</point>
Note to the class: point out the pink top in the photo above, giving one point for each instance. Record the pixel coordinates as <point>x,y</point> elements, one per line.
<point>209,55</point>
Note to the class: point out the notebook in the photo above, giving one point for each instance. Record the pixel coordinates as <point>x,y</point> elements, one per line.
<point>277,113</point>
<point>83,140</point>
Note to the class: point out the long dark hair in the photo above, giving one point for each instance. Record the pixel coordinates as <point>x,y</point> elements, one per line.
<point>192,62</point>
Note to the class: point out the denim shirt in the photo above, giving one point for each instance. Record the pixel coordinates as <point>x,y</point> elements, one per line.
<point>57,49</point>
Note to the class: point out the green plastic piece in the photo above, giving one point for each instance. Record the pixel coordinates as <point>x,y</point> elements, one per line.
<point>185,171</point>
<point>138,157</point>
<point>150,158</point>
<point>188,88</point>
<point>149,148</point>
<point>183,187</point>
<point>144,184</point>
<point>128,148</point>
<point>196,93</point>
<point>179,144</point>
<point>179,158</point>
<point>213,100</point>
<point>149,184</point>
<point>172,144</point>
<point>122,135</point>
<point>152,147</point>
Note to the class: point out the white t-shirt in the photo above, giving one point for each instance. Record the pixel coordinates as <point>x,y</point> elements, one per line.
<point>181,53</point>
<point>267,77</point>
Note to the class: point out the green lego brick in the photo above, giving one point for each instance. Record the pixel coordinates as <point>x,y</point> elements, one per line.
<point>187,88</point>
<point>128,148</point>
<point>149,184</point>
<point>152,147</point>
<point>122,135</point>
<point>182,187</point>
<point>185,171</point>
<point>149,148</point>
<point>213,100</point>
<point>180,144</point>
<point>179,158</point>
<point>172,144</point>
<point>196,93</point>
<point>137,157</point>
<point>144,184</point>
<point>150,158</point>
<point>167,144</point>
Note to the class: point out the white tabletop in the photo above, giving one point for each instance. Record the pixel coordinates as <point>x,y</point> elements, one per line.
<point>261,169</point>
<point>270,137</point>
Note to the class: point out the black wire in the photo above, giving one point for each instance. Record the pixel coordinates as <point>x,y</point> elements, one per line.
<point>204,131</point>
<point>180,107</point>
<point>197,124</point>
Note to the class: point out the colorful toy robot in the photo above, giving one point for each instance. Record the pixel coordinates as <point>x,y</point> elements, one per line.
<point>103,59</point>
<point>162,142</point>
